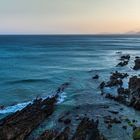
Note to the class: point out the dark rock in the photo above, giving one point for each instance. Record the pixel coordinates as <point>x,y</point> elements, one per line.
<point>78,118</point>
<point>125,57</point>
<point>48,135</point>
<point>124,127</point>
<point>95,77</point>
<point>2,107</point>
<point>63,135</point>
<point>54,135</point>
<point>61,119</point>
<point>62,87</point>
<point>122,63</point>
<point>109,96</point>
<point>21,123</point>
<point>134,128</point>
<point>114,82</point>
<point>117,75</point>
<point>110,120</point>
<point>118,98</point>
<point>116,79</point>
<point>118,52</point>
<point>67,121</point>
<point>136,104</point>
<point>113,112</point>
<point>137,64</point>
<point>122,91</point>
<point>134,83</point>
<point>136,134</point>
<point>134,86</point>
<point>134,121</point>
<point>87,130</point>
<point>109,126</point>
<point>102,85</point>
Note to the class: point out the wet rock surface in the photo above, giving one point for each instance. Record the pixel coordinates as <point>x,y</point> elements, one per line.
<point>129,96</point>
<point>95,77</point>
<point>20,124</point>
<point>86,130</point>
<point>136,134</point>
<point>137,64</point>
<point>124,60</point>
<point>54,135</point>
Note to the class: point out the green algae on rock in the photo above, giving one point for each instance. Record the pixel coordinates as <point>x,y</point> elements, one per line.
<point>136,134</point>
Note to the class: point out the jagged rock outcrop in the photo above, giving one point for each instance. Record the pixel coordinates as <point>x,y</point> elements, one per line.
<point>86,130</point>
<point>54,135</point>
<point>134,86</point>
<point>20,124</point>
<point>136,134</point>
<point>116,79</point>
<point>124,60</point>
<point>137,64</point>
<point>129,96</point>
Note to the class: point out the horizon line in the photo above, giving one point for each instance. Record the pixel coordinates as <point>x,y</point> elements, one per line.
<point>53,34</point>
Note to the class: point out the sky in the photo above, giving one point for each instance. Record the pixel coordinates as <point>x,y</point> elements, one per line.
<point>69,16</point>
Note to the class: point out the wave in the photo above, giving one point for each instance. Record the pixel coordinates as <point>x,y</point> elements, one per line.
<point>20,106</point>
<point>14,108</point>
<point>61,98</point>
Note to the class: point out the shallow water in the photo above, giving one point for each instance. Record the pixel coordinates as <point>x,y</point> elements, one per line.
<point>33,66</point>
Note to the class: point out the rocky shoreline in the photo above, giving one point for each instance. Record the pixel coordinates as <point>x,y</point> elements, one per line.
<point>129,96</point>
<point>20,124</point>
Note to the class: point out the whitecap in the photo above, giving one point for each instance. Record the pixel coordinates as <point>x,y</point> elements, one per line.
<point>14,108</point>
<point>20,106</point>
<point>61,98</point>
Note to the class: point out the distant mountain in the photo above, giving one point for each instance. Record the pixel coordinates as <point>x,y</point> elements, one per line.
<point>133,32</point>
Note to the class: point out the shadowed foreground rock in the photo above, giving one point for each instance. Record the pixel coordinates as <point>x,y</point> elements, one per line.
<point>86,130</point>
<point>136,134</point>
<point>129,96</point>
<point>116,79</point>
<point>124,60</point>
<point>54,135</point>
<point>134,86</point>
<point>137,64</point>
<point>20,124</point>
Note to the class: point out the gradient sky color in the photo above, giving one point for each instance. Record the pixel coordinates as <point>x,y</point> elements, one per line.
<point>69,16</point>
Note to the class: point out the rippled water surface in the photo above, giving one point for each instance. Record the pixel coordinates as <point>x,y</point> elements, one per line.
<point>34,66</point>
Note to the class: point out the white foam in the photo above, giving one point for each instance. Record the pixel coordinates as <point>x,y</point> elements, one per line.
<point>14,108</point>
<point>20,106</point>
<point>61,98</point>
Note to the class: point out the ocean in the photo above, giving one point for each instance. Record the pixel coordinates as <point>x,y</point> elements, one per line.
<point>34,66</point>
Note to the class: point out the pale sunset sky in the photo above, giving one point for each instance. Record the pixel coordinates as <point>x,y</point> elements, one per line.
<point>69,16</point>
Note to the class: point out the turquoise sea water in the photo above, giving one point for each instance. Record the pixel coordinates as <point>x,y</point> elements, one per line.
<point>32,66</point>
